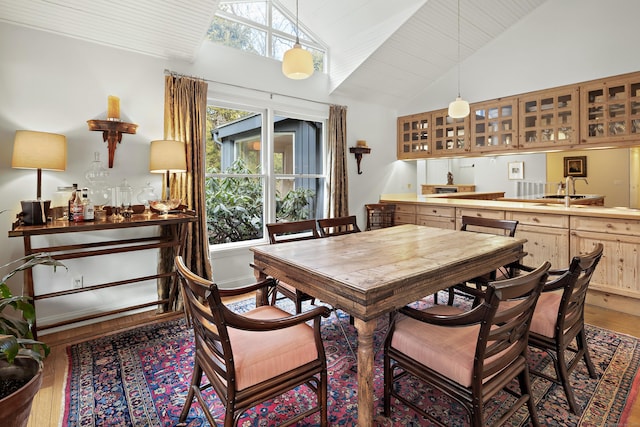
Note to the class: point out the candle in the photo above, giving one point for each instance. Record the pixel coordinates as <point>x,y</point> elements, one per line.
<point>113,108</point>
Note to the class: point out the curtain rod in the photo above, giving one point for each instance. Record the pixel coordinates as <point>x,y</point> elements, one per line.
<point>173,73</point>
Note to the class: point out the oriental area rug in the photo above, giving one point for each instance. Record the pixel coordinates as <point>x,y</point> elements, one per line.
<point>140,378</point>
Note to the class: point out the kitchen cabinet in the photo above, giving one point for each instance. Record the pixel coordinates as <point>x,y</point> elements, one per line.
<point>436,216</point>
<point>449,136</point>
<point>414,140</point>
<point>610,109</point>
<point>547,237</point>
<point>616,277</point>
<point>549,118</point>
<point>405,213</point>
<point>494,125</point>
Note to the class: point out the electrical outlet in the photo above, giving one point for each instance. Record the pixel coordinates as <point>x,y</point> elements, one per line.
<point>76,282</point>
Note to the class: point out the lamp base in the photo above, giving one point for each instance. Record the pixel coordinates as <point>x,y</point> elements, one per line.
<point>35,212</point>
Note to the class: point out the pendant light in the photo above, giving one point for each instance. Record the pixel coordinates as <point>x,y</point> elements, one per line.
<point>458,108</point>
<point>297,63</point>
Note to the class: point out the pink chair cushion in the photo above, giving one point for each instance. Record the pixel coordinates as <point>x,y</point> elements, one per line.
<point>262,355</point>
<point>545,314</point>
<point>447,350</point>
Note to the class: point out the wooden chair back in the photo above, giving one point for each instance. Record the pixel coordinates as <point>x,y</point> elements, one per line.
<point>280,232</point>
<point>338,226</point>
<point>505,227</point>
<point>380,215</point>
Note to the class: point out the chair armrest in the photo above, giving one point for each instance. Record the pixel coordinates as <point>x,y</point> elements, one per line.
<point>551,272</point>
<point>467,318</point>
<point>235,320</point>
<point>267,283</point>
<point>559,282</point>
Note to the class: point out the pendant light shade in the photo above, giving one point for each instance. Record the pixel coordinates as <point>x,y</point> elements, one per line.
<point>297,63</point>
<point>458,108</point>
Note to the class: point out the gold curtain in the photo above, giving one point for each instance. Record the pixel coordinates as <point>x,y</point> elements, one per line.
<point>185,115</point>
<point>337,148</point>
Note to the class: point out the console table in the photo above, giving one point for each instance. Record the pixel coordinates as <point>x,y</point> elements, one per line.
<point>172,232</point>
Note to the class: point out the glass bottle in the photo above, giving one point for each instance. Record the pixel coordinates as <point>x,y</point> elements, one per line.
<point>87,206</point>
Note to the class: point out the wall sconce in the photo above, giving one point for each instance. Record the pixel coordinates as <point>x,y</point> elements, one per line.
<point>38,150</point>
<point>112,128</point>
<point>360,149</point>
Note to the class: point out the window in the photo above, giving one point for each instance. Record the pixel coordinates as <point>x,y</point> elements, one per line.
<point>263,28</point>
<point>256,176</point>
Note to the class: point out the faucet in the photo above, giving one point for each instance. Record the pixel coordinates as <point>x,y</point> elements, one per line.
<point>578,179</point>
<point>569,180</point>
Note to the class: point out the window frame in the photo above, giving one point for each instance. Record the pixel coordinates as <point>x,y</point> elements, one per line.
<point>269,113</point>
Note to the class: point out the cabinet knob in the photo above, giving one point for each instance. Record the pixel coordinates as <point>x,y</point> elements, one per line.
<point>534,219</point>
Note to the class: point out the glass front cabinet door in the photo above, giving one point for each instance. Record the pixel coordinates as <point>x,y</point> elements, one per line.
<point>549,118</point>
<point>611,109</point>
<point>414,140</point>
<point>449,136</point>
<point>494,125</point>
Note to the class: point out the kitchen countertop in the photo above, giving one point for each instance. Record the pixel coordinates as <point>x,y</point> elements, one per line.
<point>542,207</point>
<point>578,199</point>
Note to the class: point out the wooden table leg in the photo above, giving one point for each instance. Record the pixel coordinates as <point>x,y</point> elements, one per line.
<point>365,371</point>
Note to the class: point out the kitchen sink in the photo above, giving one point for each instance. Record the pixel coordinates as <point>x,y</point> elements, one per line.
<point>559,196</point>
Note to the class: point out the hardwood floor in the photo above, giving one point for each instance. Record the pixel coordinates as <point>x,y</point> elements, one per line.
<point>47,405</point>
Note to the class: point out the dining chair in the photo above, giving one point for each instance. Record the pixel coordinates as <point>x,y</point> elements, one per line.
<point>281,232</point>
<point>338,226</point>
<point>380,215</point>
<point>558,321</point>
<point>470,356</point>
<point>503,227</point>
<point>251,357</point>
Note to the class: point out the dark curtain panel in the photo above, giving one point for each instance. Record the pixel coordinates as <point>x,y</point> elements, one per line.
<point>185,114</point>
<point>337,148</point>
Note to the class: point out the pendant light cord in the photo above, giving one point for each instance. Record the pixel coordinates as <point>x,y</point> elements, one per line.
<point>298,26</point>
<point>458,47</point>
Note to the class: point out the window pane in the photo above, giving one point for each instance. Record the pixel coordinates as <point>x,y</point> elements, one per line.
<point>255,11</point>
<point>235,201</point>
<point>234,208</point>
<point>237,35</point>
<point>282,23</point>
<point>297,159</point>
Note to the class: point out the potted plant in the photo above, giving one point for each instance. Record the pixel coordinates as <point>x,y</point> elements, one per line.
<point>21,357</point>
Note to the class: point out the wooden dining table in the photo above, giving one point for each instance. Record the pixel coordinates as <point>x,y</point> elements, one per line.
<point>372,273</point>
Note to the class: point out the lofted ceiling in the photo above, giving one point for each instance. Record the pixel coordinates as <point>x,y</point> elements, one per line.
<point>380,50</point>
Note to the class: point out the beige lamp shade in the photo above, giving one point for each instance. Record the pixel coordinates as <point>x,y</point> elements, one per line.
<point>297,63</point>
<point>167,156</point>
<point>39,150</point>
<point>458,108</point>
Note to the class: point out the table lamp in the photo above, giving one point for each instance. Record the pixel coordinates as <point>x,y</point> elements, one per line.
<point>38,150</point>
<point>168,157</point>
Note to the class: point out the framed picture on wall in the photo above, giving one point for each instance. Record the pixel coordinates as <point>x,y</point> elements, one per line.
<point>516,170</point>
<point>575,166</point>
